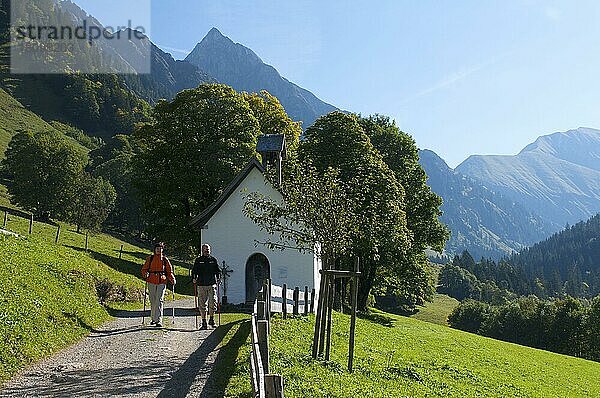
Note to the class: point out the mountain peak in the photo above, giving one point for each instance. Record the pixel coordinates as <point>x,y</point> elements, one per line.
<point>213,34</point>
<point>241,68</point>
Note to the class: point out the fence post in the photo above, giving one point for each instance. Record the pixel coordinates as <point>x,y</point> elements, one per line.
<point>354,292</point>
<point>5,219</point>
<point>121,252</point>
<point>261,310</point>
<point>31,224</point>
<point>284,301</point>
<point>268,299</point>
<point>312,300</point>
<point>86,240</point>
<point>305,300</point>
<point>57,234</point>
<point>296,299</point>
<point>263,342</point>
<point>274,386</point>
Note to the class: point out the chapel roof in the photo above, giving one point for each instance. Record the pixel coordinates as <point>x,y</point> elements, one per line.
<point>200,220</point>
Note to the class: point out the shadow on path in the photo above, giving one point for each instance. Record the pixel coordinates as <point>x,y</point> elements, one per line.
<point>181,382</point>
<point>168,311</point>
<point>119,381</point>
<point>225,363</point>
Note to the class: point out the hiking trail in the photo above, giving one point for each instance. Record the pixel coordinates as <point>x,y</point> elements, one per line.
<point>125,359</point>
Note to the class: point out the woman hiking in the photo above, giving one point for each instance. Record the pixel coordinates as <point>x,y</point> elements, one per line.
<point>157,270</point>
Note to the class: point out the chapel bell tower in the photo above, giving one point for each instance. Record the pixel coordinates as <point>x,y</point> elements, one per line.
<point>272,149</point>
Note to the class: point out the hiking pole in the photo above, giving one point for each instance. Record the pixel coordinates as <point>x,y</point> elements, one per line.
<point>196,302</point>
<point>219,301</point>
<point>173,314</point>
<point>144,313</point>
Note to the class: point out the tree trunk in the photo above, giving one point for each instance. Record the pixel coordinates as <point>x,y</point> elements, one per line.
<point>365,283</point>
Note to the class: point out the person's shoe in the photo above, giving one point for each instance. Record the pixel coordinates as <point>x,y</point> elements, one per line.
<point>211,321</point>
<point>158,325</point>
<point>204,325</point>
<point>152,323</point>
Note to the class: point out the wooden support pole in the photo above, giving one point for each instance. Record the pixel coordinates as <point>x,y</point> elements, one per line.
<point>354,293</point>
<point>284,301</point>
<point>323,326</point>
<point>312,300</point>
<point>86,240</point>
<point>305,300</point>
<point>31,224</point>
<point>296,299</point>
<point>318,315</point>
<point>263,342</point>
<point>274,386</point>
<point>57,234</point>
<point>5,219</point>
<point>121,252</point>
<point>331,293</point>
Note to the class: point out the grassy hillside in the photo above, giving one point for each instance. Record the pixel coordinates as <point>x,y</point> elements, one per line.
<point>438,310</point>
<point>397,356</point>
<point>49,298</point>
<point>51,294</point>
<point>15,117</point>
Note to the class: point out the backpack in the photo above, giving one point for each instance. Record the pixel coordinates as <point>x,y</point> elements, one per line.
<point>163,273</point>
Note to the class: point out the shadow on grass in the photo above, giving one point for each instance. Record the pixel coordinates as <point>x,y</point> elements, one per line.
<point>195,366</point>
<point>377,318</point>
<point>184,282</point>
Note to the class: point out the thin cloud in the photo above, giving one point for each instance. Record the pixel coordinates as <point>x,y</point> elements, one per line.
<point>455,77</point>
<point>175,50</point>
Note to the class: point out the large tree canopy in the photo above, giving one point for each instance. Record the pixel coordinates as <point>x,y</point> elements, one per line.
<point>48,178</point>
<point>44,169</point>
<point>196,145</point>
<point>338,141</point>
<point>401,154</point>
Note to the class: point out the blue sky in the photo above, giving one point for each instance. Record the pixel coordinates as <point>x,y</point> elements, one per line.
<point>462,77</point>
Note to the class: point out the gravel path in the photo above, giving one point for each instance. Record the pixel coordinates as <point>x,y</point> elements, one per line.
<point>124,359</point>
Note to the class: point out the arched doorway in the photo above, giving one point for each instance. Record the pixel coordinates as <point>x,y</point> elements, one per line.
<point>257,270</point>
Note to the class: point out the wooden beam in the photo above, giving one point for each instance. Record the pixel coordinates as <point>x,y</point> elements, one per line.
<point>354,290</point>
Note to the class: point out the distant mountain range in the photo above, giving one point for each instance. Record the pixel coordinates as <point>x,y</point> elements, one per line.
<point>498,204</point>
<point>238,66</point>
<point>557,176</point>
<point>485,223</point>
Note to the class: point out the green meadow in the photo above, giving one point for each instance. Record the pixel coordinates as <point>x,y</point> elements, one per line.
<point>397,356</point>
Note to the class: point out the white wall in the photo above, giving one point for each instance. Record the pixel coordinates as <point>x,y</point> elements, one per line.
<point>232,236</point>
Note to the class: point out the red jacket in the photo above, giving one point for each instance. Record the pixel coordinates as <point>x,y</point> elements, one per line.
<point>159,270</point>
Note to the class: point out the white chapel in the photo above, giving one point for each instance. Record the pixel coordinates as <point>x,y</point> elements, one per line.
<point>233,237</point>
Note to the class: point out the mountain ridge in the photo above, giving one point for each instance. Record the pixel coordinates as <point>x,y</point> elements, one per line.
<point>557,176</point>
<point>485,223</point>
<point>240,67</point>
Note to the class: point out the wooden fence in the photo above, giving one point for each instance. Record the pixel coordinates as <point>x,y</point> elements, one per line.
<point>272,298</point>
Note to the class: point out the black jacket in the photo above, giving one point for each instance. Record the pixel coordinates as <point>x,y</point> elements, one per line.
<point>206,271</point>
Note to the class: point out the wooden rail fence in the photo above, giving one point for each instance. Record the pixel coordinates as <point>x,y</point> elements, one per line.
<point>294,301</point>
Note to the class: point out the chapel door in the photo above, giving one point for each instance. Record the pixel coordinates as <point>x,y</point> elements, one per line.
<point>257,270</point>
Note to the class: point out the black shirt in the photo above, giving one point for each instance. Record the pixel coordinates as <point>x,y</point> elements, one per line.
<point>206,271</point>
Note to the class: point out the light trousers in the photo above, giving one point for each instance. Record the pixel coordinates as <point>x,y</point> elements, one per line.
<point>157,301</point>
<point>207,300</point>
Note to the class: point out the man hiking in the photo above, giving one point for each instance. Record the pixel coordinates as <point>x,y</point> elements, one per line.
<point>206,276</point>
<point>157,270</point>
